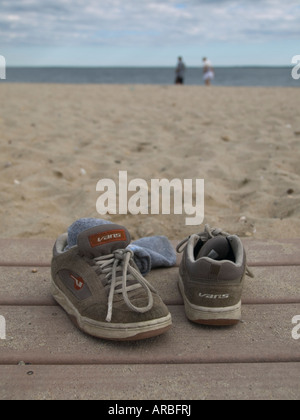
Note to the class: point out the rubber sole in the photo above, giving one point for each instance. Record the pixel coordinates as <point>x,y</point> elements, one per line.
<point>110,331</point>
<point>230,315</point>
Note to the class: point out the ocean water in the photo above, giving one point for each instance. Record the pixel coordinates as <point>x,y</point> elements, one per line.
<point>225,76</point>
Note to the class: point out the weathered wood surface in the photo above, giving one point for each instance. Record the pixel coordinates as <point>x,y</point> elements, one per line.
<point>45,357</point>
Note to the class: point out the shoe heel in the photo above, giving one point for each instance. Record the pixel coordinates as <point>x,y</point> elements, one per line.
<point>230,315</point>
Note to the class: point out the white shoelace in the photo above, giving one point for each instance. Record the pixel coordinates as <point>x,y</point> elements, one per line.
<point>122,261</point>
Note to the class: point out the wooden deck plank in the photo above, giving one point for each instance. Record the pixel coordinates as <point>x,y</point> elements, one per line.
<point>45,335</point>
<point>269,381</point>
<point>270,285</point>
<point>37,252</point>
<point>273,253</point>
<point>21,286</point>
<point>26,252</point>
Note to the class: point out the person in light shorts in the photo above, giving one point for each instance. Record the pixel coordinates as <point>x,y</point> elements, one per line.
<point>208,72</point>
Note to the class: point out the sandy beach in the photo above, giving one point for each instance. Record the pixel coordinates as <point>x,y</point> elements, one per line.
<point>58,141</point>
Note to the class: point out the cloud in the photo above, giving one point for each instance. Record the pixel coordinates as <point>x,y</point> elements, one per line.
<point>148,22</point>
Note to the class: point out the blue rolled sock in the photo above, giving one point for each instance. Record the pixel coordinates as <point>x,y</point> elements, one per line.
<point>80,226</point>
<point>153,252</point>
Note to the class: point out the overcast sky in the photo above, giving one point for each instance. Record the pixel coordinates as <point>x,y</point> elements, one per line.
<point>149,32</point>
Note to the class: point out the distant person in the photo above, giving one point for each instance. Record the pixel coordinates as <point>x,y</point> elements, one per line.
<point>180,72</point>
<point>208,72</point>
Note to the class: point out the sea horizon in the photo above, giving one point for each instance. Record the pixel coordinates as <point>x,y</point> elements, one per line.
<point>149,66</point>
<point>237,75</point>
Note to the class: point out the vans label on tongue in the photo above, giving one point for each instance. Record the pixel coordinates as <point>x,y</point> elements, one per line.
<point>107,237</point>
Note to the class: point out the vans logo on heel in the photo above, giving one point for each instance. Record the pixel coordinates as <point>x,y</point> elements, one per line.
<point>209,296</point>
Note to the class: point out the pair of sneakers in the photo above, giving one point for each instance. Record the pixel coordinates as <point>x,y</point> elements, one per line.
<point>99,285</point>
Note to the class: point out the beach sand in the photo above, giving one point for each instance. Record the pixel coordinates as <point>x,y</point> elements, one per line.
<point>58,141</point>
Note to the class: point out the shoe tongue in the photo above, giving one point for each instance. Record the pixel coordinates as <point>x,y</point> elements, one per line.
<point>217,248</point>
<point>103,240</point>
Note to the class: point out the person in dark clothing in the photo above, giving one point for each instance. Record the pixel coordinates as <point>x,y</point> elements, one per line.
<point>180,72</point>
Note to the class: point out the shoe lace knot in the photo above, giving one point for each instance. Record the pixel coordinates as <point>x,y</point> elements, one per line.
<point>121,277</point>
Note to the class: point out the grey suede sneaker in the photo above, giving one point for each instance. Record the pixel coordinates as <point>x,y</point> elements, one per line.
<point>100,287</point>
<point>211,277</point>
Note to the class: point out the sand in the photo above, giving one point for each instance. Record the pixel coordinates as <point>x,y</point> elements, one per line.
<point>58,141</point>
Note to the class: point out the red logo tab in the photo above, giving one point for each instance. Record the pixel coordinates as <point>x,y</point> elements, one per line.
<point>107,237</point>
<point>78,282</point>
